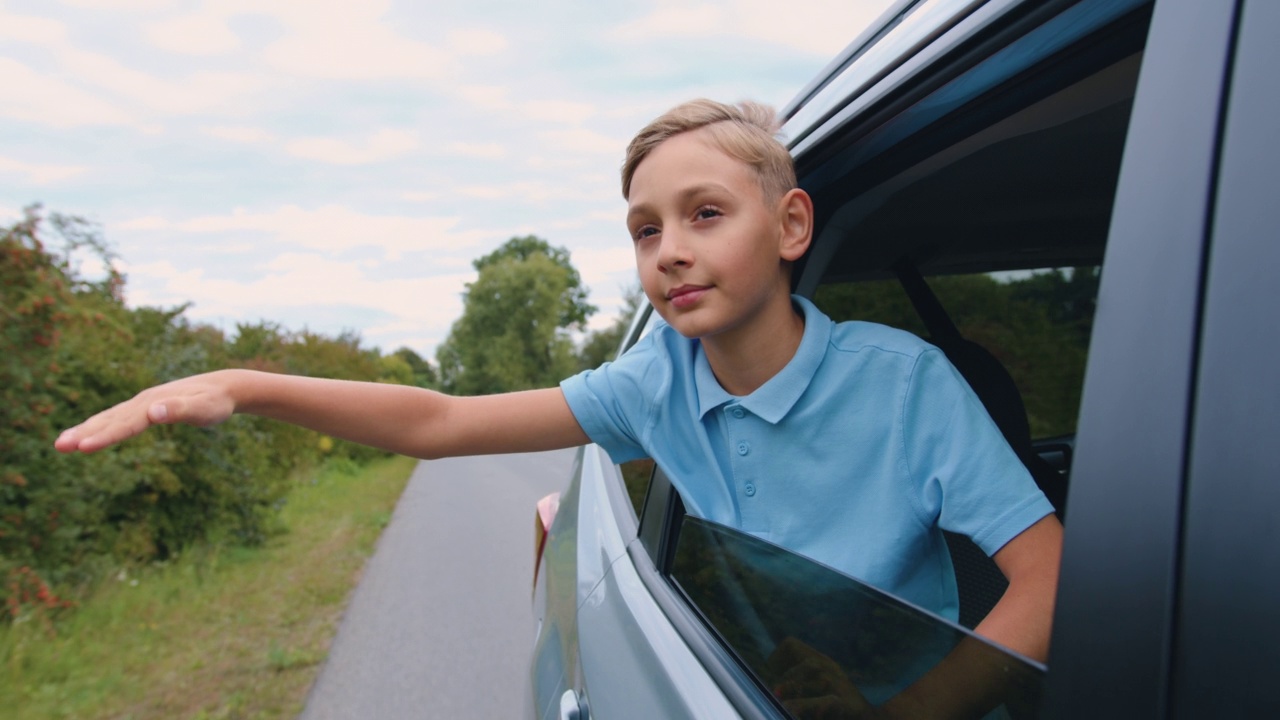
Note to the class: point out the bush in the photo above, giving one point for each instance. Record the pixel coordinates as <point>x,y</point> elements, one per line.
<point>69,347</point>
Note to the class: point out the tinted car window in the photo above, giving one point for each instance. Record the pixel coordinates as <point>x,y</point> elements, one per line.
<point>823,643</point>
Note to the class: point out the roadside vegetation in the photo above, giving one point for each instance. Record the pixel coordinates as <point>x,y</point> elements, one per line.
<point>200,573</point>
<point>222,631</point>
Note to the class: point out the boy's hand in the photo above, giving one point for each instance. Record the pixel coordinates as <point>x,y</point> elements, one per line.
<point>812,686</point>
<point>200,400</point>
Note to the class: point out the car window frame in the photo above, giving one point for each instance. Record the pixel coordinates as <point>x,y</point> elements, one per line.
<point>1130,461</point>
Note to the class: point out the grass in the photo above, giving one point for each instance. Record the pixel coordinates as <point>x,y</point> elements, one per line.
<point>220,633</point>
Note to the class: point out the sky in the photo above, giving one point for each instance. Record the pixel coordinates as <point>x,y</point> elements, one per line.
<point>337,164</point>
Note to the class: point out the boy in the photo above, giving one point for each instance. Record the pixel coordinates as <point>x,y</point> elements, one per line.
<point>852,444</point>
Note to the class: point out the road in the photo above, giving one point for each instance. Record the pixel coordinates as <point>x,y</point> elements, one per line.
<point>441,624</point>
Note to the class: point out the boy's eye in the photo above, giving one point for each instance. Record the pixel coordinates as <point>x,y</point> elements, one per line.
<point>644,232</point>
<point>707,212</point>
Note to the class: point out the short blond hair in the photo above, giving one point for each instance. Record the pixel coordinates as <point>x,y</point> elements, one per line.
<point>744,132</point>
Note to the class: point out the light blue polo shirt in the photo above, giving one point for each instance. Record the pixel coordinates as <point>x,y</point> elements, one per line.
<point>855,454</point>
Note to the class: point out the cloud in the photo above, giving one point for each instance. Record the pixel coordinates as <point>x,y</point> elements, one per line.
<point>32,29</point>
<point>197,93</point>
<point>485,97</point>
<point>580,141</point>
<point>816,27</point>
<point>475,150</point>
<point>339,39</point>
<point>331,229</point>
<point>36,98</point>
<point>419,196</point>
<point>477,42</point>
<point>40,174</point>
<point>311,283</point>
<point>239,133</point>
<point>199,34</point>
<point>59,98</point>
<point>538,192</point>
<point>385,144</point>
<point>601,264</point>
<point>119,4</point>
<point>558,111</point>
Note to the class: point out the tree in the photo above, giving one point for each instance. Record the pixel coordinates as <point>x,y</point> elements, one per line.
<point>513,331</point>
<point>424,376</point>
<point>602,345</point>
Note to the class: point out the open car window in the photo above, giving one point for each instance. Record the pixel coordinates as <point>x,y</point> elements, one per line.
<point>1036,323</point>
<point>824,644</point>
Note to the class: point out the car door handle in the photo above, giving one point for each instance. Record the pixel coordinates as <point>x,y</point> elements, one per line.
<point>570,708</point>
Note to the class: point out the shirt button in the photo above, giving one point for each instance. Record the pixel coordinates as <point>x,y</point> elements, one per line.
<point>743,448</point>
<point>738,413</point>
<point>750,489</point>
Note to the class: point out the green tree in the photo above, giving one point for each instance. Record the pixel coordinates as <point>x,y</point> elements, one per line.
<point>424,376</point>
<point>513,333</point>
<point>601,346</point>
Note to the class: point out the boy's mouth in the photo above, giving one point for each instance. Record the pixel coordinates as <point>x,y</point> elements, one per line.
<point>686,295</point>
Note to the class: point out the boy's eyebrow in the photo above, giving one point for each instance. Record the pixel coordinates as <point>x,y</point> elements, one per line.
<point>682,196</point>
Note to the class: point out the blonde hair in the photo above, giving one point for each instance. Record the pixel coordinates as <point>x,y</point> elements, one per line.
<point>744,132</point>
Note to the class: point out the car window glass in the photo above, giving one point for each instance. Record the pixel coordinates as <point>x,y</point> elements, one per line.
<point>823,643</point>
<point>636,475</point>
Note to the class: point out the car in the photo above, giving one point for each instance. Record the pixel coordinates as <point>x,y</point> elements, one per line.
<point>1075,200</point>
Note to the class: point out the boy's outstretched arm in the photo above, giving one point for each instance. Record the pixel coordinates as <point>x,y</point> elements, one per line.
<point>406,420</point>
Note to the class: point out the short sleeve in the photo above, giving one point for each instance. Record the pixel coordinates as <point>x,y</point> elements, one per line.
<point>614,403</point>
<point>965,477</point>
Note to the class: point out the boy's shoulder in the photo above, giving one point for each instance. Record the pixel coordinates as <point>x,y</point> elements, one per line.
<point>860,335</point>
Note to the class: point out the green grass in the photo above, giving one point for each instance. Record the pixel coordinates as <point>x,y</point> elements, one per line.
<point>219,633</point>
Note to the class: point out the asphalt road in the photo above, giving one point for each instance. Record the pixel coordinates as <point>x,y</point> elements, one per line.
<point>441,625</point>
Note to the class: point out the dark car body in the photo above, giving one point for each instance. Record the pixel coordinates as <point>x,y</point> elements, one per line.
<point>1077,200</point>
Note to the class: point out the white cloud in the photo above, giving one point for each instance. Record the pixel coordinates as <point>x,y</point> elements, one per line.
<point>33,97</point>
<point>307,281</point>
<point>239,133</point>
<point>558,111</point>
<point>582,141</point>
<point>419,196</point>
<point>40,174</point>
<point>199,34</point>
<point>344,40</point>
<point>59,98</point>
<point>149,222</point>
<point>485,97</point>
<point>385,144</point>
<point>475,150</point>
<point>538,192</point>
<point>32,29</point>
<point>819,27</point>
<point>331,228</point>
<point>477,42</point>
<point>601,264</point>
<point>119,4</point>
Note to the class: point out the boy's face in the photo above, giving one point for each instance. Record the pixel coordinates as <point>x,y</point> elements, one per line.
<point>709,248</point>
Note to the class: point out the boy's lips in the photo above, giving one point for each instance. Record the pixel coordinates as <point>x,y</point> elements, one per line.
<point>686,295</point>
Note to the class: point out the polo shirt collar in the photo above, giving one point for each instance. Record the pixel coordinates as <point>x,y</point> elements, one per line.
<point>772,401</point>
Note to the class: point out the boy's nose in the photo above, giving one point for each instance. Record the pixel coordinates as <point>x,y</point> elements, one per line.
<point>674,252</point>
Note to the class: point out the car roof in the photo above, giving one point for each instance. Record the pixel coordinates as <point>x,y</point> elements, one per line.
<point>879,138</point>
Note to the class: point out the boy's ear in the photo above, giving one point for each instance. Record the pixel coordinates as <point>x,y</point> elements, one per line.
<point>795,211</point>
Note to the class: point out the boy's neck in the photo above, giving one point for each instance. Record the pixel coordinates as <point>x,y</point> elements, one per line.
<point>746,358</point>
